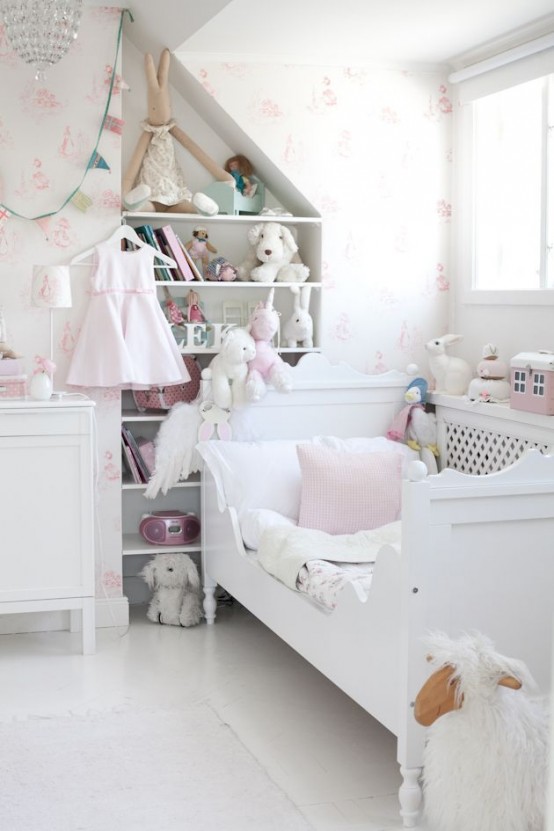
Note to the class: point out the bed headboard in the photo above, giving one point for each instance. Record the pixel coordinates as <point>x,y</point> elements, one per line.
<point>327,399</point>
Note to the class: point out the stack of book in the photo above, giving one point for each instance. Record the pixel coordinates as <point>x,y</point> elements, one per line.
<point>166,241</point>
<point>138,456</point>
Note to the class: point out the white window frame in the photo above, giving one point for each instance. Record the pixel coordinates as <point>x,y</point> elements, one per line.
<point>464,236</point>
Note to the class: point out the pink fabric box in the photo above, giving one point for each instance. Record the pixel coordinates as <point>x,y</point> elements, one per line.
<point>11,366</point>
<point>13,386</point>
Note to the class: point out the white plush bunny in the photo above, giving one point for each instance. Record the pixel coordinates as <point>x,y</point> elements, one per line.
<point>299,328</point>
<point>452,375</point>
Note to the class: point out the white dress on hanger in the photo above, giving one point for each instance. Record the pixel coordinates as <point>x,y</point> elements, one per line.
<point>125,341</point>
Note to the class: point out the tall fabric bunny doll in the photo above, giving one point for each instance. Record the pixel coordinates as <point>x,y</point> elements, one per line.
<point>153,180</point>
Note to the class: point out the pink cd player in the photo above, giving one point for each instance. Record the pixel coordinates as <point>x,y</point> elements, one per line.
<point>169,528</point>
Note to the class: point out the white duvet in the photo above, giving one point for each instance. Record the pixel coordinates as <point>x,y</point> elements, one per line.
<point>285,551</point>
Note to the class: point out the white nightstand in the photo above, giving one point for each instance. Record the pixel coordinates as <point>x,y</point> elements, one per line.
<point>47,510</point>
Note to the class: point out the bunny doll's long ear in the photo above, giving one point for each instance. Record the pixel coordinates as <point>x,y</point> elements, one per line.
<point>305,293</point>
<point>452,338</point>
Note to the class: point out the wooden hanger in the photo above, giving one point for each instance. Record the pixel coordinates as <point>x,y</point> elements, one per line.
<point>126,232</point>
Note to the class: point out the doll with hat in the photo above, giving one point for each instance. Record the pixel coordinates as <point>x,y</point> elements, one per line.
<point>415,426</point>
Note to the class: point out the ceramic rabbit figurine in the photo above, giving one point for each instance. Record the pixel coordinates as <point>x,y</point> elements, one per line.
<point>452,375</point>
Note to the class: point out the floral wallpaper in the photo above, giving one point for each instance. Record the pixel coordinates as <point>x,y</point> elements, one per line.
<point>48,131</point>
<point>371,150</point>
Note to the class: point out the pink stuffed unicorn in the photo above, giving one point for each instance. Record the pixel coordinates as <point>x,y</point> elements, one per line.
<point>267,366</point>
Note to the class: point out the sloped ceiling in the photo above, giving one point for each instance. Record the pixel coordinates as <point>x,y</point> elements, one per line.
<point>450,33</point>
<point>318,31</point>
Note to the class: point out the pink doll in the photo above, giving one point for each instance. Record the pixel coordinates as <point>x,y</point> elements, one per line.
<point>267,366</point>
<point>199,248</point>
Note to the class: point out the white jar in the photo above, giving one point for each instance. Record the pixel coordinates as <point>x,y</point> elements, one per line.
<point>40,387</point>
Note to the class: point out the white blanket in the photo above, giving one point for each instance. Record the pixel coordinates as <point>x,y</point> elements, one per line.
<point>284,551</point>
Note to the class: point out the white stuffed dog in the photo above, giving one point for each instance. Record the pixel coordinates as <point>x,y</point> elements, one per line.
<point>228,370</point>
<point>176,600</point>
<point>273,256</point>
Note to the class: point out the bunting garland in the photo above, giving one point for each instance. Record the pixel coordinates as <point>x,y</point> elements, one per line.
<point>97,161</point>
<point>77,197</point>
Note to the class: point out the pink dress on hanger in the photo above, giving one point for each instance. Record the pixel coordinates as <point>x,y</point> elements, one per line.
<point>125,340</point>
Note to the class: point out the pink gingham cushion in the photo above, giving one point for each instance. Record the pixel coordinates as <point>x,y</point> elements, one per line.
<point>343,493</point>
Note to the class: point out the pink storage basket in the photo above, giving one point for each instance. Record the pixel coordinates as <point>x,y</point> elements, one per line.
<point>13,386</point>
<point>163,398</point>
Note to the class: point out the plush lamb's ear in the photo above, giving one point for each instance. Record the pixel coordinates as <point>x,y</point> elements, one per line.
<point>148,574</point>
<point>254,233</point>
<point>288,239</point>
<point>192,575</point>
<point>438,696</point>
<point>510,682</point>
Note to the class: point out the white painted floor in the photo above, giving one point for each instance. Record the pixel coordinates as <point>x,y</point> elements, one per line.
<point>335,762</point>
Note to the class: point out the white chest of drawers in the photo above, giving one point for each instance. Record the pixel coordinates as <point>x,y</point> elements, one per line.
<point>47,510</point>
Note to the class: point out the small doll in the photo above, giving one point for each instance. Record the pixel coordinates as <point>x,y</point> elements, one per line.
<point>241,169</point>
<point>199,247</point>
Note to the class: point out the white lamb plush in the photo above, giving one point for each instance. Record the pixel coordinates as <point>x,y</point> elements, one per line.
<point>273,256</point>
<point>486,756</point>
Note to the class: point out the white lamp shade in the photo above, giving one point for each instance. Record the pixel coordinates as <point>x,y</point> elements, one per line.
<point>51,287</point>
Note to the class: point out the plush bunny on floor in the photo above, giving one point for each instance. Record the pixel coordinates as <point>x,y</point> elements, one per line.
<point>176,585</point>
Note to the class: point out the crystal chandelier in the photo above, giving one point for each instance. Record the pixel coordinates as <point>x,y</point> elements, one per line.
<point>41,31</point>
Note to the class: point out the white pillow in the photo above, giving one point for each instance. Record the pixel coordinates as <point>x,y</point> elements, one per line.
<point>255,474</point>
<point>257,520</point>
<point>374,444</point>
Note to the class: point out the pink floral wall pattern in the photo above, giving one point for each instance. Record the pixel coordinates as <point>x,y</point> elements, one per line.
<point>377,168</point>
<point>47,134</point>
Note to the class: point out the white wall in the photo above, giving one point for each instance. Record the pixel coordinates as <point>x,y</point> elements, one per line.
<point>47,133</point>
<point>371,149</point>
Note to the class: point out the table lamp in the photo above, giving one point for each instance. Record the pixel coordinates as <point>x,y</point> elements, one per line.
<point>51,289</point>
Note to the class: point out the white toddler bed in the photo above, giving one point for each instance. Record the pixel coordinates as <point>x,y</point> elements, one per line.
<point>476,554</point>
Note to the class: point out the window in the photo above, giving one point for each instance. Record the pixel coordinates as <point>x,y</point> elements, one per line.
<point>538,384</point>
<point>513,188</point>
<point>519,380</point>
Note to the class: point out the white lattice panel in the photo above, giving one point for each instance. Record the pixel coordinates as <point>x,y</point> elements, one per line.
<point>477,451</point>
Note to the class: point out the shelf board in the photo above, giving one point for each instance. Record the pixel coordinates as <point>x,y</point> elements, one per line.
<point>225,218</point>
<point>236,284</point>
<point>192,482</point>
<point>134,544</point>
<point>133,415</point>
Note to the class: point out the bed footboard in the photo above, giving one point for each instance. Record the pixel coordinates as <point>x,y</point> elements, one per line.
<point>477,554</point>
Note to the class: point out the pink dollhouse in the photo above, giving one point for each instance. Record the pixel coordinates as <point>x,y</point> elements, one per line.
<point>532,382</point>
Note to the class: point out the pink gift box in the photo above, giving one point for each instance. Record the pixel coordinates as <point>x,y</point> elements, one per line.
<point>13,386</point>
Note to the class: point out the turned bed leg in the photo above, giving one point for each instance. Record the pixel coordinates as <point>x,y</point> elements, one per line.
<point>410,796</point>
<point>210,602</point>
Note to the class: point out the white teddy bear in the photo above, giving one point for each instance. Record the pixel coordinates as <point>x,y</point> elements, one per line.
<point>228,370</point>
<point>273,256</point>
